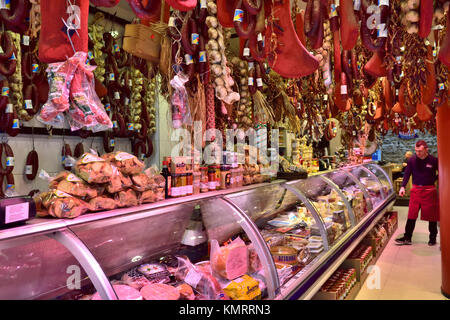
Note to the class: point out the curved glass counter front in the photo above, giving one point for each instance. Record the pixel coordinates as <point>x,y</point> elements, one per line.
<point>382,176</point>
<point>354,192</point>
<point>371,183</point>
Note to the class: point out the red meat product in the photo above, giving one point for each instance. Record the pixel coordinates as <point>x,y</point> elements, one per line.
<point>135,279</point>
<point>230,261</point>
<point>127,198</point>
<point>123,292</point>
<point>119,182</point>
<point>200,278</point>
<point>254,263</point>
<point>160,291</point>
<point>141,182</point>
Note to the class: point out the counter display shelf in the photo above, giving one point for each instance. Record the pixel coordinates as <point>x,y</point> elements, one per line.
<point>283,238</point>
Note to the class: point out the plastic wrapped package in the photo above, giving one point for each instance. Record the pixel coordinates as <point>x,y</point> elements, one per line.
<point>93,169</point>
<point>127,163</point>
<point>85,109</point>
<point>63,205</point>
<point>141,182</point>
<point>147,197</point>
<point>118,182</point>
<point>102,203</point>
<point>230,261</point>
<point>135,279</point>
<point>200,279</point>
<point>254,263</point>
<point>71,184</point>
<point>127,198</point>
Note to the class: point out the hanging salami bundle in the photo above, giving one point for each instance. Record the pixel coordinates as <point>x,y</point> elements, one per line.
<point>64,23</point>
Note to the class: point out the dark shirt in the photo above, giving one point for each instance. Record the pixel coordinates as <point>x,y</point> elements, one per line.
<point>423,171</point>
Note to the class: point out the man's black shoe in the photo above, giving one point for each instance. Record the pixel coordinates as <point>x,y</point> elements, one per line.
<point>403,241</point>
<point>432,243</point>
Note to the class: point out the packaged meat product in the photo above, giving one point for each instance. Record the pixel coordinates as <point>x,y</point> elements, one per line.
<point>135,279</point>
<point>199,278</point>
<point>141,182</point>
<point>147,197</point>
<point>243,288</point>
<point>155,272</point>
<point>102,203</point>
<point>230,261</point>
<point>41,210</point>
<point>254,264</point>
<point>160,291</point>
<point>119,181</point>
<point>69,183</point>
<point>159,194</point>
<point>93,169</point>
<point>127,198</point>
<point>127,163</point>
<point>123,292</point>
<point>186,292</point>
<point>63,205</point>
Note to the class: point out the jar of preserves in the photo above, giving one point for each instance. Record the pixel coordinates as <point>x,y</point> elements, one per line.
<point>189,184</point>
<point>196,182</point>
<point>204,179</point>
<point>183,190</point>
<point>211,179</point>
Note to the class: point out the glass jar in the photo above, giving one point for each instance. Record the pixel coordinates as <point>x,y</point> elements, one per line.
<point>183,190</point>
<point>196,182</point>
<point>217,168</point>
<point>189,184</point>
<point>225,177</point>
<point>204,179</point>
<point>211,179</point>
<point>176,186</point>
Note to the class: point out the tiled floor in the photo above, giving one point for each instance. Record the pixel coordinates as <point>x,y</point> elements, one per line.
<point>406,272</point>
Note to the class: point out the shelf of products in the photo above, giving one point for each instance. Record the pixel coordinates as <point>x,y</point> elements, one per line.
<point>281,239</point>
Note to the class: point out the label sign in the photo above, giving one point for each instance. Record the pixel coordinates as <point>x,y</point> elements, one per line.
<point>17,212</point>
<point>238,15</point>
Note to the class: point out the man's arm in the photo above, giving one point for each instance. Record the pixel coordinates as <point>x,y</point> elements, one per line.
<point>408,172</point>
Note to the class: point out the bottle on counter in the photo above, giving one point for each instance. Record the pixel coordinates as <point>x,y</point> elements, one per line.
<point>183,190</point>
<point>166,174</point>
<point>225,177</point>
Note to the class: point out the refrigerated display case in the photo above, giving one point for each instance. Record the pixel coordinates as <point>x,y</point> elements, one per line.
<point>284,238</point>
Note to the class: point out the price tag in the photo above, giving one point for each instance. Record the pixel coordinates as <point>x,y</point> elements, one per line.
<point>117,95</point>
<point>260,37</point>
<point>10,161</point>
<point>246,52</point>
<point>250,81</point>
<point>5,91</point>
<point>28,169</point>
<point>202,56</point>
<point>90,55</point>
<point>396,92</point>
<point>127,101</point>
<point>35,68</point>
<point>344,89</point>
<point>116,48</point>
<point>251,65</point>
<point>130,127</point>
<point>16,212</point>
<point>356,5</point>
<point>188,59</point>
<point>13,57</point>
<point>108,107</point>
<point>441,86</point>
<point>15,124</point>
<point>130,83</point>
<point>171,22</point>
<point>195,38</point>
<point>203,4</point>
<point>115,125</point>
<point>238,15</point>
<point>334,12</point>
<point>112,77</point>
<point>5,4</point>
<point>325,97</point>
<point>112,143</point>
<point>28,104</point>
<point>259,82</point>
<point>383,3</point>
<point>26,40</point>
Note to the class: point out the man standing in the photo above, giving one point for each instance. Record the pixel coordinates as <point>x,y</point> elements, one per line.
<point>423,196</point>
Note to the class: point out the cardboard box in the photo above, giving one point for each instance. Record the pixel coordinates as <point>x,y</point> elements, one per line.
<point>361,275</point>
<point>322,295</point>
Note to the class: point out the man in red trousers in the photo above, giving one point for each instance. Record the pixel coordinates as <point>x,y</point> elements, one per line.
<point>424,196</point>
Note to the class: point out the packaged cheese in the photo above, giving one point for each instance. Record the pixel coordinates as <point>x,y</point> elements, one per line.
<point>243,288</point>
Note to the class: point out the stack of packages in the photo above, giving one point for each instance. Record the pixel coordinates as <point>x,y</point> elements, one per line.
<point>114,180</point>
